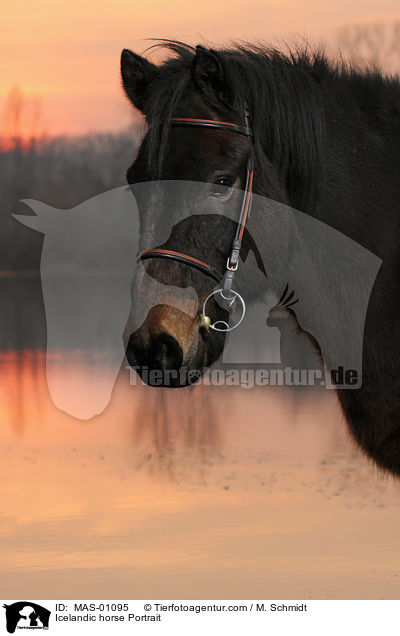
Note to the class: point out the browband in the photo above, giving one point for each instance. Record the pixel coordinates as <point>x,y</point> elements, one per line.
<point>210,123</point>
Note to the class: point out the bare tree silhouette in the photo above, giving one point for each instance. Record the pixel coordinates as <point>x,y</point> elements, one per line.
<point>22,123</point>
<point>12,115</point>
<point>376,44</point>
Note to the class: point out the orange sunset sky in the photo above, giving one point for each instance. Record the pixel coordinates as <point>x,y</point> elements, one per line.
<point>64,56</point>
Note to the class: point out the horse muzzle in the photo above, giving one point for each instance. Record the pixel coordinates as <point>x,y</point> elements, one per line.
<point>169,349</point>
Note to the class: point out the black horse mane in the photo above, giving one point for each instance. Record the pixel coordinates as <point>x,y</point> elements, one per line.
<point>287,104</point>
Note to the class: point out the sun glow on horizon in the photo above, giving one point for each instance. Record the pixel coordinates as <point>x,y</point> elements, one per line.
<point>65,57</point>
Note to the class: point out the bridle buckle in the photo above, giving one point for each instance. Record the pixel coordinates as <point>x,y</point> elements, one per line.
<point>232,268</point>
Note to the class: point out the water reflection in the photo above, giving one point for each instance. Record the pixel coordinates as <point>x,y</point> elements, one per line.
<point>173,424</point>
<point>22,318</point>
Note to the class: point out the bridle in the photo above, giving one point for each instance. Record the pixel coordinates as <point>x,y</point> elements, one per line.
<point>225,292</point>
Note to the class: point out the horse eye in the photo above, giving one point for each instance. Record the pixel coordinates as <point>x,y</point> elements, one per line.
<point>221,186</point>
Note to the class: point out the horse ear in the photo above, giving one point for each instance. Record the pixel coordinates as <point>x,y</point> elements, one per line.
<point>137,74</point>
<point>208,73</point>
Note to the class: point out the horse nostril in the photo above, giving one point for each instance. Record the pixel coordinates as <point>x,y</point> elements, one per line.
<point>159,352</point>
<point>167,352</point>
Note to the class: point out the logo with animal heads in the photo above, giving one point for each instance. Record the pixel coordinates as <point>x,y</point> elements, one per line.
<point>90,277</point>
<point>26,615</point>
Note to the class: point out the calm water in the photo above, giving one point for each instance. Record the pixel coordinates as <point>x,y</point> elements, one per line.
<point>204,493</point>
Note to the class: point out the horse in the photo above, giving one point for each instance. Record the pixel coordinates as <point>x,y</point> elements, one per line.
<point>326,141</point>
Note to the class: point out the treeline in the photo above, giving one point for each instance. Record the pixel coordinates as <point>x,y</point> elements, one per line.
<point>62,172</point>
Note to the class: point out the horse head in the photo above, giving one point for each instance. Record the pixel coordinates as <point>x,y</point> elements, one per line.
<point>209,166</point>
